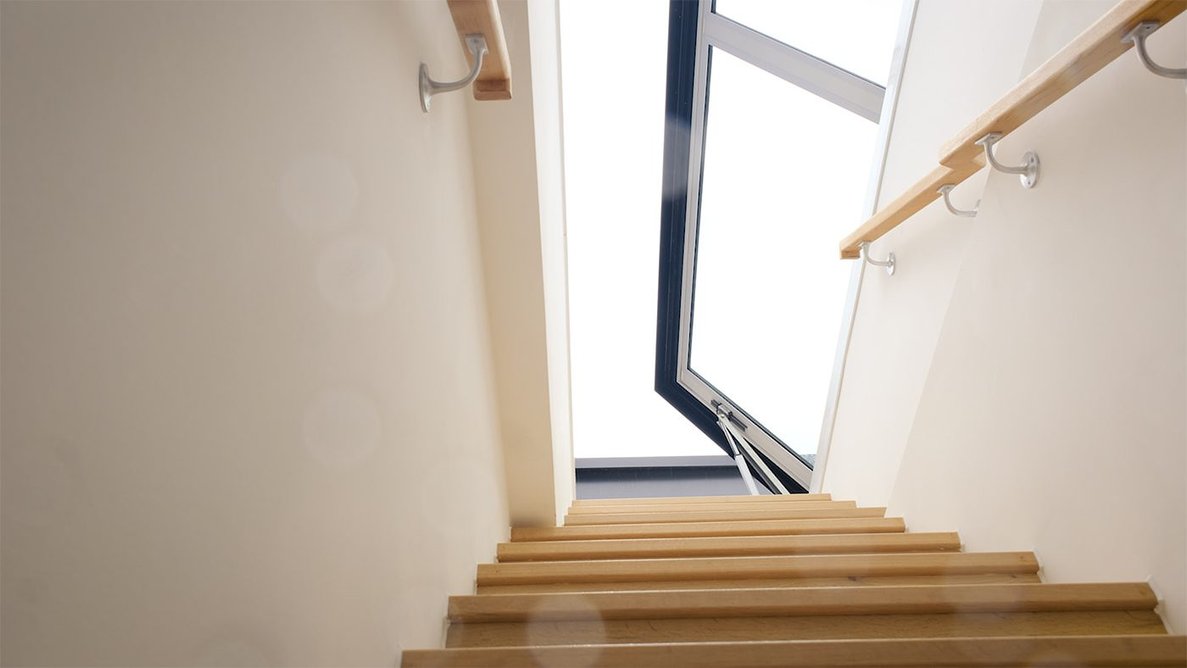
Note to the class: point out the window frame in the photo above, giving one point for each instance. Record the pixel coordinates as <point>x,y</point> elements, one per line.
<point>693,31</point>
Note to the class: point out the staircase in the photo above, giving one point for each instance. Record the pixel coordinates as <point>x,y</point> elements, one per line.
<point>781,581</point>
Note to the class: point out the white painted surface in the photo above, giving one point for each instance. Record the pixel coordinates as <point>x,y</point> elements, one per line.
<point>518,228</point>
<point>1024,383</point>
<point>898,318</point>
<point>544,20</point>
<point>248,397</point>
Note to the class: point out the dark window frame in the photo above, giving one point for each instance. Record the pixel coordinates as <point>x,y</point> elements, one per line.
<point>690,47</point>
<point>682,45</point>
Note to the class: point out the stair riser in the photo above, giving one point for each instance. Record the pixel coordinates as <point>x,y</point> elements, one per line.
<point>657,548</point>
<point>694,507</point>
<point>678,501</point>
<point>725,516</point>
<point>808,510</point>
<point>1031,652</point>
<point>805,628</point>
<point>991,578</point>
<point>778,567</point>
<point>802,602</point>
<point>693,529</point>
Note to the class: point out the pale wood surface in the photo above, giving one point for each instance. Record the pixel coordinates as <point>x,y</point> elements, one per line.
<point>851,581</point>
<point>482,16</point>
<point>696,507</point>
<point>739,528</point>
<point>651,548</point>
<point>782,590</point>
<point>580,504</point>
<point>806,510</point>
<point>806,628</point>
<point>728,516</point>
<point>1145,650</point>
<point>771,567</point>
<point>747,567</point>
<point>725,515</point>
<point>805,601</point>
<point>911,202</point>
<point>1084,56</point>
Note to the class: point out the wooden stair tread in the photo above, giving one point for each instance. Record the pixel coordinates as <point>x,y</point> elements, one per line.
<point>819,627</point>
<point>761,583</point>
<point>635,548</point>
<point>788,566</point>
<point>758,502</point>
<point>689,529</point>
<point>802,510</point>
<point>684,500</point>
<point>583,519</point>
<point>1143,650</point>
<point>919,599</point>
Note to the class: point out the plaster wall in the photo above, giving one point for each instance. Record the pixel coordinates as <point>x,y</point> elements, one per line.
<point>1038,403</point>
<point>517,163</point>
<point>249,395</point>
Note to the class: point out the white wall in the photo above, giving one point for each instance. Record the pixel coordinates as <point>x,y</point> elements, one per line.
<point>1048,413</point>
<point>517,182</point>
<point>544,20</point>
<point>248,401</point>
<point>982,46</point>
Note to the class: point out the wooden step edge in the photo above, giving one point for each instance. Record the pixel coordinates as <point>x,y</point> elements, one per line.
<point>658,548</point>
<point>679,500</point>
<point>758,583</point>
<point>815,601</point>
<point>1005,652</point>
<point>848,565</point>
<point>758,502</point>
<point>725,515</point>
<point>812,627</point>
<point>700,508</point>
<point>689,529</point>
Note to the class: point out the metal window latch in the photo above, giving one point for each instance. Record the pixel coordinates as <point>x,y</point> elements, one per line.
<point>721,411</point>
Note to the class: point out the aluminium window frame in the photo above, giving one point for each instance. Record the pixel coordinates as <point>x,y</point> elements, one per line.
<point>693,31</point>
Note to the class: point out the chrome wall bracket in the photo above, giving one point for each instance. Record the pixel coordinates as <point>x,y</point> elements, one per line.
<point>1138,36</point>
<point>428,87</point>
<point>1028,172</point>
<point>944,191</point>
<point>888,263</point>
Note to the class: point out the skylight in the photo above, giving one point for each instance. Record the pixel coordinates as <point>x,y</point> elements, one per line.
<point>613,85</point>
<point>787,168</point>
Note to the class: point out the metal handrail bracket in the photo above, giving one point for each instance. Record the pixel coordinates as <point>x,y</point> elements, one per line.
<point>428,87</point>
<point>888,263</point>
<point>946,190</point>
<point>1028,171</point>
<point>1138,36</point>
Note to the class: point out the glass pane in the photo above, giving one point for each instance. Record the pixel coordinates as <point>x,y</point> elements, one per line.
<point>785,177</point>
<point>856,35</point>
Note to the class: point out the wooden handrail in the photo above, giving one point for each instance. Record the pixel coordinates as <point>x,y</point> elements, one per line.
<point>482,17</point>
<point>1084,56</point>
<point>961,157</point>
<point>906,205</point>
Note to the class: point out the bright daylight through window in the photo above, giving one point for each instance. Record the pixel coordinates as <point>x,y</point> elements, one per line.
<point>775,106</point>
